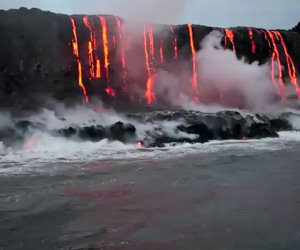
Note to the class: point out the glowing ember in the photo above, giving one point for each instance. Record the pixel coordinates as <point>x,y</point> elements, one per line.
<point>118,21</point>
<point>276,55</point>
<point>161,51</point>
<point>174,43</point>
<point>139,144</point>
<point>195,76</point>
<point>105,46</point>
<point>110,92</point>
<point>230,35</point>
<point>252,40</point>
<point>290,64</point>
<point>76,53</point>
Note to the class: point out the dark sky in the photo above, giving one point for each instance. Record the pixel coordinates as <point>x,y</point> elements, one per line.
<point>226,13</point>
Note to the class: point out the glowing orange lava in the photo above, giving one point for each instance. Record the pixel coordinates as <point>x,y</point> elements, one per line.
<point>252,40</point>
<point>91,49</point>
<point>149,93</point>
<point>290,63</point>
<point>174,43</point>
<point>161,51</point>
<point>105,45</point>
<point>110,92</point>
<point>123,59</point>
<point>230,35</point>
<point>195,76</point>
<point>76,53</point>
<point>151,40</point>
<point>98,69</point>
<point>151,77</point>
<point>276,56</point>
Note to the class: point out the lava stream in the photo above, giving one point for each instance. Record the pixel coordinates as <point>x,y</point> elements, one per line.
<point>174,43</point>
<point>290,63</point>
<point>76,53</point>
<point>123,59</point>
<point>151,40</point>
<point>276,56</point>
<point>230,35</point>
<point>161,51</point>
<point>195,76</point>
<point>252,40</point>
<point>105,45</point>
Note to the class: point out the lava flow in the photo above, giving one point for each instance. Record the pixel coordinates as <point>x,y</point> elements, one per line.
<point>161,51</point>
<point>110,92</point>
<point>151,77</point>
<point>275,55</point>
<point>151,40</point>
<point>123,60</point>
<point>76,53</point>
<point>195,76</point>
<point>290,63</point>
<point>174,43</point>
<point>91,47</point>
<point>252,40</point>
<point>230,35</point>
<point>105,45</point>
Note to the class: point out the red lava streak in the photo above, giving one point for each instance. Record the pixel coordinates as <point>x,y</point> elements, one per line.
<point>290,63</point>
<point>151,77</point>
<point>276,56</point>
<point>98,69</point>
<point>123,59</point>
<point>230,35</point>
<point>252,40</point>
<point>174,43</point>
<point>91,47</point>
<point>76,53</point>
<point>105,46</point>
<point>195,76</point>
<point>151,39</point>
<point>110,92</point>
<point>161,51</point>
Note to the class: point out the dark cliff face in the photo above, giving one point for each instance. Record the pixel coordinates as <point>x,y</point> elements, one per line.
<point>39,62</point>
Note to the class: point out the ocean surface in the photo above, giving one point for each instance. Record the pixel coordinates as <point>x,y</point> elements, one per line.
<point>232,195</point>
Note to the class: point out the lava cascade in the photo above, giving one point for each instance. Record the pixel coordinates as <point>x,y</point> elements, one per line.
<point>253,48</point>
<point>92,44</point>
<point>151,77</point>
<point>174,43</point>
<point>105,45</point>
<point>195,76</point>
<point>161,51</point>
<point>290,63</point>
<point>276,56</point>
<point>76,53</point>
<point>229,34</point>
<point>123,59</point>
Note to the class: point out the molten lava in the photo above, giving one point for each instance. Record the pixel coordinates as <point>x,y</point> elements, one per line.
<point>151,77</point>
<point>290,63</point>
<point>151,41</point>
<point>91,47</point>
<point>149,93</point>
<point>76,53</point>
<point>98,69</point>
<point>161,51</point>
<point>252,40</point>
<point>276,56</point>
<point>195,76</point>
<point>105,45</point>
<point>110,92</point>
<point>123,59</point>
<point>174,43</point>
<point>230,35</point>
